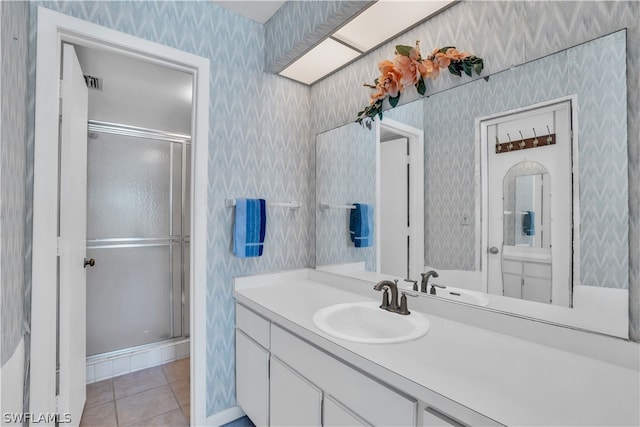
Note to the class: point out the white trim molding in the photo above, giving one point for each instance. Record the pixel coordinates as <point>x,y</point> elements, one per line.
<point>224,417</point>
<point>52,29</point>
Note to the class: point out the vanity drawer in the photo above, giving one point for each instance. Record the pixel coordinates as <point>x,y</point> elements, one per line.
<point>513,267</point>
<point>366,397</point>
<point>253,325</point>
<point>537,270</point>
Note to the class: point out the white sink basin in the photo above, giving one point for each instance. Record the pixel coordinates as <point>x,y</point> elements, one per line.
<point>366,322</point>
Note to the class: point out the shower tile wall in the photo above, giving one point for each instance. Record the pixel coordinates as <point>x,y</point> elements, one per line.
<point>520,31</point>
<point>260,145</point>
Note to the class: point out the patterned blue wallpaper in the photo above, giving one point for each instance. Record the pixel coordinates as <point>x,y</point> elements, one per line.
<point>504,34</point>
<point>260,145</point>
<point>345,174</point>
<point>602,151</point>
<point>14,17</point>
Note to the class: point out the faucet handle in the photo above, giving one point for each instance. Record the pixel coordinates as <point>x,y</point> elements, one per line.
<point>415,283</point>
<point>385,299</point>
<point>404,310</point>
<point>432,291</point>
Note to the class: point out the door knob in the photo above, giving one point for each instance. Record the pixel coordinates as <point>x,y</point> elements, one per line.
<point>493,250</point>
<point>90,262</point>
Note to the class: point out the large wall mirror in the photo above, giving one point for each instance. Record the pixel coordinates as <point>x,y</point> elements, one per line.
<point>538,229</point>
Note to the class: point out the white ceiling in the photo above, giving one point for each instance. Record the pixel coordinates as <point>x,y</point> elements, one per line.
<point>258,10</point>
<point>136,92</point>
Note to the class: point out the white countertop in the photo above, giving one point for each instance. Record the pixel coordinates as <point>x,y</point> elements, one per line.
<point>510,380</point>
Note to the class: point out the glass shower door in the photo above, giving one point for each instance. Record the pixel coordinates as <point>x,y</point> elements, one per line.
<point>137,193</point>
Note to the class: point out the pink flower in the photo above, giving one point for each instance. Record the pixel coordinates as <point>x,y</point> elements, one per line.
<point>431,69</point>
<point>441,60</point>
<point>409,69</point>
<point>453,54</point>
<point>388,82</point>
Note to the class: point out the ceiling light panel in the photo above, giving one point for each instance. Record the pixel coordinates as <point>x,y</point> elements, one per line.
<point>385,19</point>
<point>320,61</point>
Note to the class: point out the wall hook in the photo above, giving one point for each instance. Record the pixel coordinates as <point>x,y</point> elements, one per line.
<point>535,138</point>
<point>510,146</point>
<point>549,139</point>
<point>498,146</point>
<point>521,140</point>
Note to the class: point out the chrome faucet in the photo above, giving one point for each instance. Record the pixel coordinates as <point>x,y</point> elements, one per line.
<point>425,280</point>
<point>392,305</point>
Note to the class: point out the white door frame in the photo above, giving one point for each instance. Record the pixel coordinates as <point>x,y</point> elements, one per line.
<point>52,29</point>
<point>416,204</point>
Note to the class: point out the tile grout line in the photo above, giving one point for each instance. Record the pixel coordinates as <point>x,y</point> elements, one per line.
<point>167,383</point>
<point>115,406</point>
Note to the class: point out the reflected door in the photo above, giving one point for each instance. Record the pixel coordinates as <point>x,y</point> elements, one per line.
<point>528,198</point>
<point>394,208</point>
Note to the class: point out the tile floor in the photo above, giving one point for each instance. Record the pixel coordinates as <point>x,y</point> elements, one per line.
<point>157,396</point>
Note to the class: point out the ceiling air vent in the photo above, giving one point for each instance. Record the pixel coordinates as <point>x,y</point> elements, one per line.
<point>93,82</point>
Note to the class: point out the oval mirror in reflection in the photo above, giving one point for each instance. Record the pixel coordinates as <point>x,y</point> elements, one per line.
<point>527,204</point>
<point>526,254</point>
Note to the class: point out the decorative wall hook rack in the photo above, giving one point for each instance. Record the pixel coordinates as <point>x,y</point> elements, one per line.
<point>525,143</point>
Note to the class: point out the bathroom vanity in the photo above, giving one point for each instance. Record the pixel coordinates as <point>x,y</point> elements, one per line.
<point>290,372</point>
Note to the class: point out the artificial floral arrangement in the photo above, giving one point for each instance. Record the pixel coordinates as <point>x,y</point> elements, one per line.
<point>409,68</point>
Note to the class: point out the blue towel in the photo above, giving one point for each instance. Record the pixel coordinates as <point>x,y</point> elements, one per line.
<point>529,223</point>
<point>361,225</point>
<point>249,227</point>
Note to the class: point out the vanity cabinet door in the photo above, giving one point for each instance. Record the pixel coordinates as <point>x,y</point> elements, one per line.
<point>252,379</point>
<point>294,400</point>
<point>334,414</point>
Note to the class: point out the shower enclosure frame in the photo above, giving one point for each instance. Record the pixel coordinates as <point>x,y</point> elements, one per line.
<point>53,28</point>
<point>176,241</point>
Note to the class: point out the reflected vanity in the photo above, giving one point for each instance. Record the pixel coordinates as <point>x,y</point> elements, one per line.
<point>527,239</point>
<point>537,263</point>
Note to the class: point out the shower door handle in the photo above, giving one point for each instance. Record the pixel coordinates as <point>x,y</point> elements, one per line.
<point>89,262</point>
<point>493,250</point>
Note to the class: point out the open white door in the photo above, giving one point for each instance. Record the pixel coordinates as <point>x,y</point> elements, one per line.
<point>73,237</point>
<point>394,208</point>
<point>533,268</point>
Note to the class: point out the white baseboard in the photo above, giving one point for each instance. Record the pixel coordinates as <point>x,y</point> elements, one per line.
<point>225,417</point>
<point>103,367</point>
